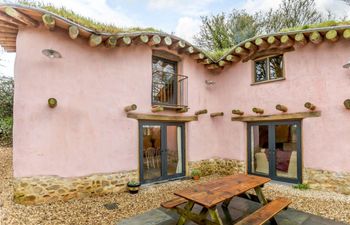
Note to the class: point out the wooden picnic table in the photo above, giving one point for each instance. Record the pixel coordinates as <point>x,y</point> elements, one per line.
<point>209,195</point>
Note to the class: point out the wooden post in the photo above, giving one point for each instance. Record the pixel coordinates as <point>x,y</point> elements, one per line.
<point>111,42</point>
<point>249,45</point>
<point>95,40</point>
<point>281,108</point>
<point>316,37</point>
<point>130,108</point>
<point>205,61</point>
<point>347,103</point>
<point>287,41</point>
<point>155,40</point>
<point>332,35</point>
<point>21,17</point>
<point>198,56</point>
<point>212,67</point>
<point>300,39</point>
<point>261,43</point>
<point>167,41</point>
<point>233,58</point>
<point>222,63</point>
<point>241,51</point>
<point>216,114</point>
<point>310,106</point>
<point>49,21</point>
<point>157,109</point>
<point>202,111</point>
<point>273,41</point>
<point>52,102</point>
<point>237,112</point>
<point>73,32</point>
<point>126,40</point>
<point>258,110</point>
<point>178,45</point>
<point>346,34</point>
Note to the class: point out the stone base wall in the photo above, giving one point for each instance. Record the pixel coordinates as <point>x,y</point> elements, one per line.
<point>45,189</point>
<point>327,180</point>
<point>218,166</point>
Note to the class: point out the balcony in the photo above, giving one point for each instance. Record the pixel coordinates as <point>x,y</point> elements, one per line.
<point>169,90</point>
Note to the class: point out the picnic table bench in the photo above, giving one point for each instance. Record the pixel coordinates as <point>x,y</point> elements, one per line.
<point>209,195</point>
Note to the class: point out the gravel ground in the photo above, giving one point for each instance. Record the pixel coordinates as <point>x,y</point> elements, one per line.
<point>92,210</point>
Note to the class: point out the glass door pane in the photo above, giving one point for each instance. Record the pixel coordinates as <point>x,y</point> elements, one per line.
<point>151,148</point>
<point>174,150</point>
<point>286,150</point>
<point>259,149</point>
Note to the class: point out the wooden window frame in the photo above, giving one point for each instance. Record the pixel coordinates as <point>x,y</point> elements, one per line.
<point>267,58</point>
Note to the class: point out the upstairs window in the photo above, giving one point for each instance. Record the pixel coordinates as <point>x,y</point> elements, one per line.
<point>269,69</point>
<point>169,89</point>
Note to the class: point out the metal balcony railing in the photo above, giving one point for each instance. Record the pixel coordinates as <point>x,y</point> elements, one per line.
<point>169,89</point>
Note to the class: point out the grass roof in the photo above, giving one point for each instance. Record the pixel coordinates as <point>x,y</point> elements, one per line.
<point>82,20</point>
<point>329,23</point>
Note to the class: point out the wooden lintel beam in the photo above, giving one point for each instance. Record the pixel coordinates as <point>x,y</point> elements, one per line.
<point>182,110</point>
<point>157,109</point>
<point>21,17</point>
<point>287,116</point>
<point>165,118</point>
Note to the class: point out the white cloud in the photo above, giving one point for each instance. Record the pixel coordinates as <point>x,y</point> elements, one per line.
<point>7,61</point>
<point>183,7</point>
<point>187,27</point>
<point>252,6</point>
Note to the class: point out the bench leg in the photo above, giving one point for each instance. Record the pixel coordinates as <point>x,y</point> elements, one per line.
<point>188,208</point>
<point>214,215</point>
<point>226,203</point>
<point>263,201</point>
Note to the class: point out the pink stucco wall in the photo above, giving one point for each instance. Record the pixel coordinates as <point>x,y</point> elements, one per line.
<point>88,131</point>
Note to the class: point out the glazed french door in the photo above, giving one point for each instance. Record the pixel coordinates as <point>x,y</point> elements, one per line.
<point>162,152</point>
<point>274,150</point>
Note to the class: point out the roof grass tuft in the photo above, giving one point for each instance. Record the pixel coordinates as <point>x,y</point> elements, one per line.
<point>82,20</point>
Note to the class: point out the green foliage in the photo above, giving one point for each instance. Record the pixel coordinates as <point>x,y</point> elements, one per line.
<point>222,31</point>
<point>302,186</point>
<point>82,20</point>
<point>6,110</point>
<point>133,183</point>
<point>217,54</point>
<point>329,23</point>
<point>195,172</point>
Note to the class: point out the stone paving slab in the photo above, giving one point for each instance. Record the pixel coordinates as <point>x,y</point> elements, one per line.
<point>238,208</point>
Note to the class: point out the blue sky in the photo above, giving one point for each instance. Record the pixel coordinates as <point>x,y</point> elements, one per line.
<point>180,17</point>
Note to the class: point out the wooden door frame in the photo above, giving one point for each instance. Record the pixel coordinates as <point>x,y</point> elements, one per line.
<point>163,163</point>
<point>272,154</point>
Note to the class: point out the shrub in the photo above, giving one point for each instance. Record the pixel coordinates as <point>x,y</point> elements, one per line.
<point>302,186</point>
<point>6,110</point>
